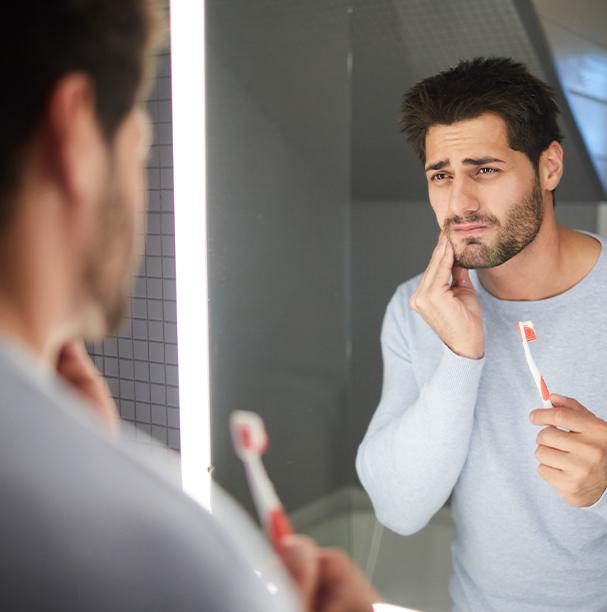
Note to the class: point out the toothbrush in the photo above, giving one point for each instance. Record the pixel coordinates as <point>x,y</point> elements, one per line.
<point>250,442</point>
<point>527,333</point>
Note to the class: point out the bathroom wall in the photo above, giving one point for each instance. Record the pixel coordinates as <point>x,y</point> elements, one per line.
<point>140,363</point>
<point>577,33</point>
<point>278,218</point>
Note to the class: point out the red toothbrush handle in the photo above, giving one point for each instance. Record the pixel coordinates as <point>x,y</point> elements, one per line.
<point>278,527</point>
<point>545,392</point>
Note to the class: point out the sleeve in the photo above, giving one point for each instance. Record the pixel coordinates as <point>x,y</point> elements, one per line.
<point>417,441</point>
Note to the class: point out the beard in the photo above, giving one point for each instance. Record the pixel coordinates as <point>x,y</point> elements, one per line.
<point>110,263</point>
<point>519,229</point>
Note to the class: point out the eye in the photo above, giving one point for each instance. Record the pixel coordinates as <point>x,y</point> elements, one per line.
<point>439,177</point>
<point>488,170</point>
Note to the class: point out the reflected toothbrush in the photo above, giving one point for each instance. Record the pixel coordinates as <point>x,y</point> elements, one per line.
<point>527,333</point>
<point>250,442</point>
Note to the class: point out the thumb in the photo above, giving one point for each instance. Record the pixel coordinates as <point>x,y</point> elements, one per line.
<point>300,556</point>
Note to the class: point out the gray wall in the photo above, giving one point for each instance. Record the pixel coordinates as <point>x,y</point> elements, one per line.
<point>278,201</point>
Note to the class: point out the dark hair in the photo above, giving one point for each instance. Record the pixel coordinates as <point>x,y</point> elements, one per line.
<point>484,85</point>
<point>111,41</point>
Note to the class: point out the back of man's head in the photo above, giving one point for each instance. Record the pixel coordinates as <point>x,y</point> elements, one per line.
<point>109,41</point>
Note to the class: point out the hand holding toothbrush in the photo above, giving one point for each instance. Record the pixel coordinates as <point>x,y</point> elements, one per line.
<point>572,450</point>
<point>448,302</point>
<point>326,579</point>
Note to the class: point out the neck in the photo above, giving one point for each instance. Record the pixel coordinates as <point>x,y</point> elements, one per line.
<point>556,260</point>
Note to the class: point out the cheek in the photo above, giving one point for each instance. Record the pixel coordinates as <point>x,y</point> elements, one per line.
<point>134,185</point>
<point>139,190</point>
<point>439,209</point>
<point>130,197</point>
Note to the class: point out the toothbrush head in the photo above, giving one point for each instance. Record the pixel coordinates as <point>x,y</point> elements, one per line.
<point>248,434</point>
<point>526,331</point>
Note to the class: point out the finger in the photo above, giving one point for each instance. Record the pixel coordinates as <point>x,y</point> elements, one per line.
<point>343,586</point>
<point>77,371</point>
<point>72,370</point>
<point>73,358</point>
<point>551,457</point>
<point>440,268</point>
<point>72,349</point>
<point>301,558</point>
<point>334,563</point>
<point>551,475</point>
<point>66,356</point>
<point>558,439</point>
<point>437,254</point>
<point>566,402</point>
<point>563,418</point>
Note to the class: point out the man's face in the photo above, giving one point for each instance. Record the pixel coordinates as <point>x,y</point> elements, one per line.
<point>116,244</point>
<point>486,196</point>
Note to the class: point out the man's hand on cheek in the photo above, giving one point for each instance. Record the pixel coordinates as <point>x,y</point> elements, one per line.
<point>448,302</point>
<point>76,368</point>
<point>574,461</point>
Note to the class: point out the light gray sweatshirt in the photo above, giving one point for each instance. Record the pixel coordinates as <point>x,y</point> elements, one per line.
<point>446,424</point>
<point>86,525</point>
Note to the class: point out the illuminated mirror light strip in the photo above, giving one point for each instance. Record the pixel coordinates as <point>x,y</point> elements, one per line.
<point>189,168</point>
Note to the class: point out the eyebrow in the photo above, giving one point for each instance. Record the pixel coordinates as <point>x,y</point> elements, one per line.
<point>469,161</point>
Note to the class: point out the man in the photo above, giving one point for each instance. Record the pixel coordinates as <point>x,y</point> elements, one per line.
<point>85,525</point>
<point>457,415</point>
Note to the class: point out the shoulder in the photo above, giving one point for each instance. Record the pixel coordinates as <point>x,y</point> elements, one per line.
<point>102,515</point>
<point>588,244</point>
<point>594,248</point>
<point>401,321</point>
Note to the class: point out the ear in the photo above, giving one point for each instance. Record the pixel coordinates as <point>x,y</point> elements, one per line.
<point>76,148</point>
<point>551,166</point>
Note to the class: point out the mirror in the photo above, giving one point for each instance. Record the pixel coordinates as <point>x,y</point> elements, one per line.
<point>318,211</point>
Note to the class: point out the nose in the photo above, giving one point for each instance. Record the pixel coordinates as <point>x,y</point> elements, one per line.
<point>463,200</point>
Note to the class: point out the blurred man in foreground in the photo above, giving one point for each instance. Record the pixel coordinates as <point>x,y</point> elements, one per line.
<point>85,524</point>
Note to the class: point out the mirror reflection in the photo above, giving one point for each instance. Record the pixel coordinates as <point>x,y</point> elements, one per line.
<point>319,209</point>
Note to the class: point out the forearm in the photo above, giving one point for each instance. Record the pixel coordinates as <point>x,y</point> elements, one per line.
<point>412,455</point>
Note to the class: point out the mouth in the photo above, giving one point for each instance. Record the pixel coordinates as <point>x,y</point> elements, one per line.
<point>469,229</point>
